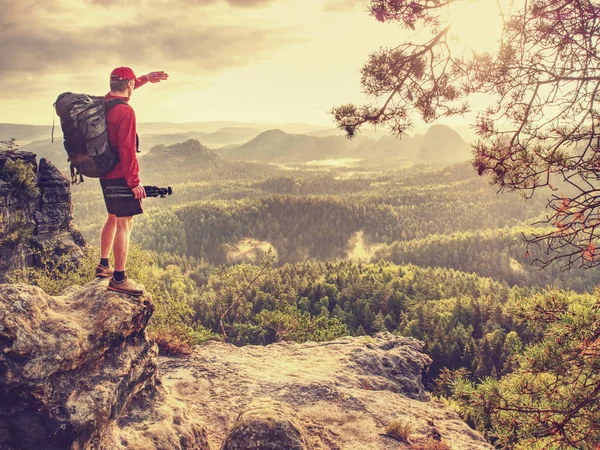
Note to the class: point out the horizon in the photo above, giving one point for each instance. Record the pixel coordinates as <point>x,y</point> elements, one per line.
<point>465,131</point>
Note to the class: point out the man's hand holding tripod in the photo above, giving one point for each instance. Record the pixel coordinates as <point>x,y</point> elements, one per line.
<point>139,192</point>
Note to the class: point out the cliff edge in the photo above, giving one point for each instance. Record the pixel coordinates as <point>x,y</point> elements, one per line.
<point>338,395</point>
<point>77,371</point>
<point>35,213</point>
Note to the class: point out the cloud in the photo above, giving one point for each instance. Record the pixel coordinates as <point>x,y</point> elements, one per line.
<point>248,250</point>
<point>359,250</point>
<point>193,43</point>
<point>345,5</point>
<point>176,3</point>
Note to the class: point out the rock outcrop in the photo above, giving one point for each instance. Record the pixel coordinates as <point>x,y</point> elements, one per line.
<point>344,393</point>
<point>442,144</point>
<point>35,213</point>
<point>77,372</point>
<point>268,425</point>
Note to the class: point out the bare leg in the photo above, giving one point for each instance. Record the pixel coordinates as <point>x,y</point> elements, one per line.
<point>121,242</point>
<point>108,236</point>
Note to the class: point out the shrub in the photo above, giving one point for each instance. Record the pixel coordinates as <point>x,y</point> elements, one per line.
<point>56,273</point>
<point>400,428</point>
<point>171,343</point>
<point>21,175</point>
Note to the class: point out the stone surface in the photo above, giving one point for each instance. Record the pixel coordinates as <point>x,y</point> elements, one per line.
<point>268,425</point>
<point>35,222</point>
<point>155,420</point>
<point>344,392</point>
<point>76,367</point>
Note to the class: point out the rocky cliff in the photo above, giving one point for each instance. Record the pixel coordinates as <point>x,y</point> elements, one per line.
<point>338,395</point>
<point>77,372</point>
<point>35,213</point>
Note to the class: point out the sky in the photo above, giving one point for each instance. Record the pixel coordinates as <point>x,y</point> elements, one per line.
<point>272,61</point>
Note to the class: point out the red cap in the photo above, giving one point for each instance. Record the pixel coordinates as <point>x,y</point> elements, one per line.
<point>122,73</point>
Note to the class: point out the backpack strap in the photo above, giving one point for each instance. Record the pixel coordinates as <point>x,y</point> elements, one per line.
<point>110,104</point>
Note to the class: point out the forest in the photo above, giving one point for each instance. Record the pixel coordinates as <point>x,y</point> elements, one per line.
<point>256,253</point>
<point>363,211</point>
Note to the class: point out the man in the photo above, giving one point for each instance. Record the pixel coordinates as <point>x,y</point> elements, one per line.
<point>122,135</point>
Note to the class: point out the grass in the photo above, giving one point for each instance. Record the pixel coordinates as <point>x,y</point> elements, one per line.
<point>400,429</point>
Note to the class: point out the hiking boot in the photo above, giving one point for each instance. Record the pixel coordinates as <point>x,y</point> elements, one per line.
<point>125,287</point>
<point>104,272</point>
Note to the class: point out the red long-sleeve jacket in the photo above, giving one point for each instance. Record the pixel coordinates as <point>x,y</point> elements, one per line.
<point>122,135</point>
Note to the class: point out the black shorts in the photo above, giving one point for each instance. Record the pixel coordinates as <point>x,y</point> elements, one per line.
<point>120,207</point>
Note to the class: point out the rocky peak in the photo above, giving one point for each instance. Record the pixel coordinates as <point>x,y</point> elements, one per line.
<point>191,148</point>
<point>35,212</point>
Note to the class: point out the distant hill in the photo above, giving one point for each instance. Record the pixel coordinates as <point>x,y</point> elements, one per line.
<point>180,161</point>
<point>294,128</point>
<point>365,132</point>
<point>276,145</point>
<point>184,128</point>
<point>179,153</point>
<point>28,133</point>
<point>442,144</point>
<point>439,144</point>
<point>404,147</point>
<point>241,131</point>
<point>215,126</point>
<point>223,137</point>
<point>148,141</point>
<point>228,136</point>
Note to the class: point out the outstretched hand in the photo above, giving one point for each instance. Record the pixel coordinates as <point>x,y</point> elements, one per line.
<point>157,77</point>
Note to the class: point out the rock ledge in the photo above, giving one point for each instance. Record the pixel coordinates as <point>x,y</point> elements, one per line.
<point>77,372</point>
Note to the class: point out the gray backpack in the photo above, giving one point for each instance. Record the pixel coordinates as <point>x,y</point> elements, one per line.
<point>83,122</point>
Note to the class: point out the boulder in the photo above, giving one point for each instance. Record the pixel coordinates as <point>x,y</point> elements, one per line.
<point>155,420</point>
<point>393,363</point>
<point>267,425</point>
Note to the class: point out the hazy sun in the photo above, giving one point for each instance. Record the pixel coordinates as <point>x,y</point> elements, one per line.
<point>475,24</point>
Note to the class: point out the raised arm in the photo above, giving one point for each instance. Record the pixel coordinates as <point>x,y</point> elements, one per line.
<point>152,77</point>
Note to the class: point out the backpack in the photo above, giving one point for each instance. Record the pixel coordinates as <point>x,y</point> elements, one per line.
<point>83,122</point>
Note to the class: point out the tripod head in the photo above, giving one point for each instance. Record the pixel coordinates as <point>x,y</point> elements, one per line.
<point>154,191</point>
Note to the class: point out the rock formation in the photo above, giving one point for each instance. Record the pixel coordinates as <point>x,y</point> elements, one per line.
<point>331,395</point>
<point>266,425</point>
<point>77,372</point>
<point>441,144</point>
<point>183,159</point>
<point>35,213</point>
